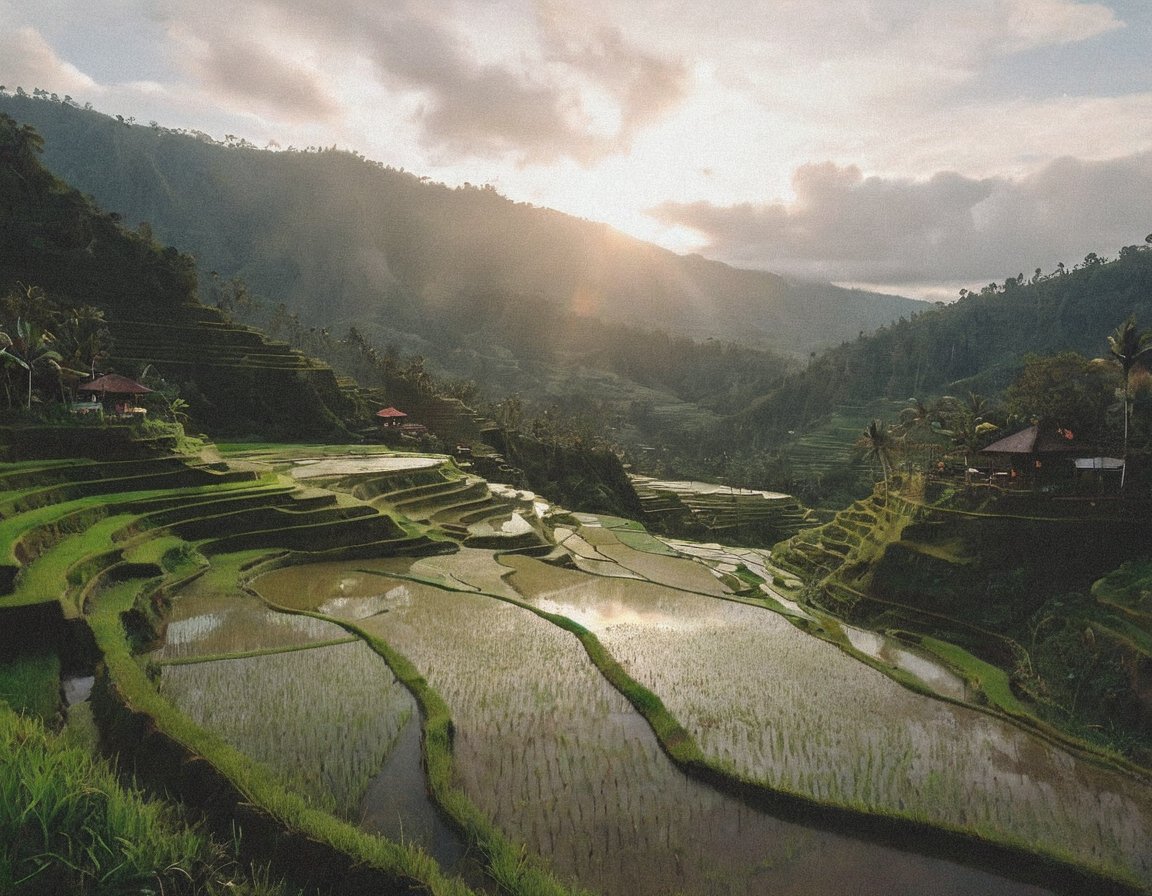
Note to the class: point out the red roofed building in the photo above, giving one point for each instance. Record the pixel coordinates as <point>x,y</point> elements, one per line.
<point>390,417</point>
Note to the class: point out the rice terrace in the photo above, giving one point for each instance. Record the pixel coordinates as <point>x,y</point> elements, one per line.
<point>365,535</point>
<point>599,710</point>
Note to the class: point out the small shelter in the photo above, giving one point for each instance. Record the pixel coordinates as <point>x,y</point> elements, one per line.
<point>391,417</point>
<point>1102,471</point>
<point>121,388</point>
<point>1036,453</point>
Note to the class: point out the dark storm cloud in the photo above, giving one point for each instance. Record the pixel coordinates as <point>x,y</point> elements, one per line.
<point>844,226</point>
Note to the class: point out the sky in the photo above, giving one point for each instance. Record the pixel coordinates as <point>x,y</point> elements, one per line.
<point>912,146</point>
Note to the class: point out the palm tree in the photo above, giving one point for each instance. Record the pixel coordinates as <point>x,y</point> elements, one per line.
<point>1130,348</point>
<point>968,427</point>
<point>918,415</point>
<point>876,443</point>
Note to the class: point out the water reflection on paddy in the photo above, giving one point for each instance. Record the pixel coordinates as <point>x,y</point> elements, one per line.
<point>779,706</point>
<point>323,718</point>
<point>205,621</point>
<point>561,762</point>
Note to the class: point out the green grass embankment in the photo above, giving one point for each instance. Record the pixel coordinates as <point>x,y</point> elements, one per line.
<point>30,681</point>
<point>173,752</point>
<point>507,863</point>
<point>68,825</point>
<point>996,586</point>
<point>108,541</point>
<point>984,847</point>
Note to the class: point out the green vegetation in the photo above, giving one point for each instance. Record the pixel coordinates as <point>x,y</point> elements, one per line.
<point>1031,602</point>
<point>953,569</point>
<point>341,239</point>
<point>67,825</point>
<point>79,292</point>
<point>30,680</point>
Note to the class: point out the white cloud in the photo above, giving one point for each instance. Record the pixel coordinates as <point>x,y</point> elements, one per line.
<point>514,88</point>
<point>240,69</point>
<point>845,226</point>
<point>26,60</point>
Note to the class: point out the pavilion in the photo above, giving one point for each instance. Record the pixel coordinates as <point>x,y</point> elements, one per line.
<point>391,417</point>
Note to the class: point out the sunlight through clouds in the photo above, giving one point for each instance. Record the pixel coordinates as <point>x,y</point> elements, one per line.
<point>686,124</point>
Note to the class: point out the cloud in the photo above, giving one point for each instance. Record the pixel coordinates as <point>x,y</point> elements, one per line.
<point>853,59</point>
<point>844,226</point>
<point>540,100</point>
<point>476,83</point>
<point>468,107</point>
<point>29,62</point>
<point>643,84</point>
<point>235,65</point>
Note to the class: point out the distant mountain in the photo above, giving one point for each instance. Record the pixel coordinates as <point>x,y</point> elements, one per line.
<point>344,241</point>
<point>978,343</point>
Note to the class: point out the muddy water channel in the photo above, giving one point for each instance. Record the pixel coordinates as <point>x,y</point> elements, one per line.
<point>561,762</point>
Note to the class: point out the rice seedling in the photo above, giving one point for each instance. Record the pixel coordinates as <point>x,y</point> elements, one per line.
<point>562,763</point>
<point>400,866</point>
<point>771,704</point>
<point>324,718</point>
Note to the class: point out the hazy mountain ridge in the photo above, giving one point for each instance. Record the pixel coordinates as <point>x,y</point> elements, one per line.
<point>978,343</point>
<point>344,241</point>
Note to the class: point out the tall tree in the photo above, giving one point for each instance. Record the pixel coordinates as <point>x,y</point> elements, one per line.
<point>1130,348</point>
<point>968,425</point>
<point>876,443</point>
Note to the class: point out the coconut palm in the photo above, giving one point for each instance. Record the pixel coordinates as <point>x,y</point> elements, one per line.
<point>1130,348</point>
<point>83,340</point>
<point>876,444</point>
<point>968,426</point>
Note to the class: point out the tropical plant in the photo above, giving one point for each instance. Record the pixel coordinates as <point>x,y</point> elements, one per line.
<point>918,415</point>
<point>1130,348</point>
<point>83,341</point>
<point>876,443</point>
<point>968,425</point>
<point>30,346</point>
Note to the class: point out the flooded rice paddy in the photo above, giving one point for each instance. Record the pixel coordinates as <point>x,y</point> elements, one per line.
<point>772,704</point>
<point>324,718</point>
<point>562,763</point>
<point>323,467</point>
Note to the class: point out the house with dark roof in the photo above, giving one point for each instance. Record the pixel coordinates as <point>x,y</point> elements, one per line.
<point>1044,454</point>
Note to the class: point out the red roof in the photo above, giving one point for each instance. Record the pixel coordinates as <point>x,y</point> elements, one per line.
<point>115,383</point>
<point>390,412</point>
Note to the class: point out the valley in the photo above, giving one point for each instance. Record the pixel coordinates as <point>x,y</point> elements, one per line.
<point>747,604</point>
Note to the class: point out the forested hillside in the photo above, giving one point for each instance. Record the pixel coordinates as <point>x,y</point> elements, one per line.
<point>976,344</point>
<point>434,270</point>
<point>78,290</point>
